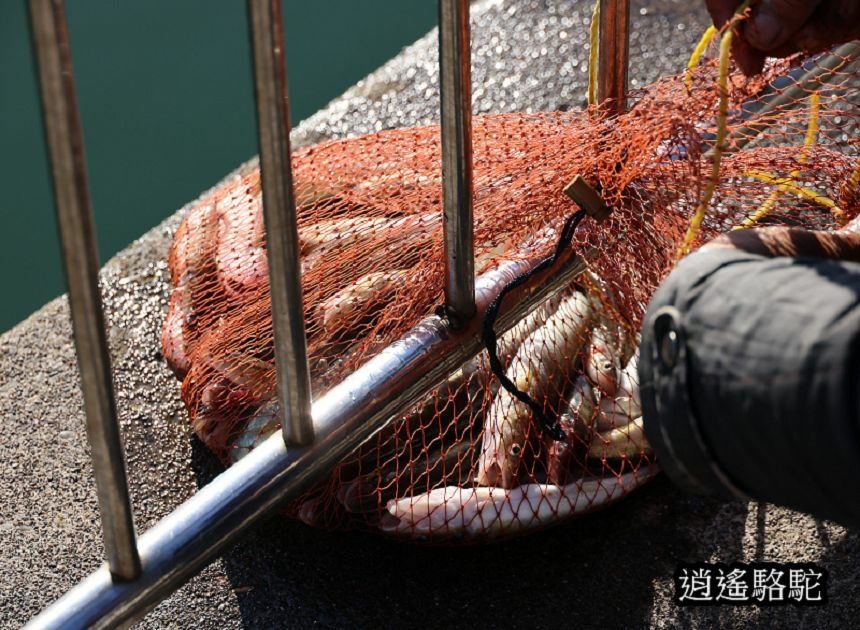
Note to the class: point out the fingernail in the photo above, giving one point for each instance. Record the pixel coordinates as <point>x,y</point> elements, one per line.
<point>764,31</point>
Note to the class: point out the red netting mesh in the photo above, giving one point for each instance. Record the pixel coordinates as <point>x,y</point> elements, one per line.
<point>468,460</point>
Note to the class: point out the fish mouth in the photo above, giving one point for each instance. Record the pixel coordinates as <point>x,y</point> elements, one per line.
<point>510,478</point>
<point>489,475</point>
<point>498,476</point>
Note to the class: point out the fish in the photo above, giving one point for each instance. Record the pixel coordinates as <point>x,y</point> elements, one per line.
<point>535,370</point>
<point>492,511</point>
<point>173,338</point>
<point>463,392</point>
<point>190,261</point>
<point>265,422</point>
<point>429,512</point>
<point>610,414</point>
<point>314,511</point>
<point>619,410</point>
<point>343,232</point>
<point>560,452</point>
<point>465,389</point>
<point>186,244</point>
<point>602,363</point>
<point>373,490</point>
<point>581,402</point>
<point>624,442</point>
<point>577,422</point>
<point>241,258</point>
<point>384,239</point>
<point>235,386</point>
<point>628,384</point>
<point>508,343</point>
<point>359,301</point>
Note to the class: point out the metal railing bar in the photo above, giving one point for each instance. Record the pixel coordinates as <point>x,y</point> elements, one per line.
<point>80,258</point>
<point>191,536</point>
<point>455,89</point>
<point>279,209</point>
<point>613,55</point>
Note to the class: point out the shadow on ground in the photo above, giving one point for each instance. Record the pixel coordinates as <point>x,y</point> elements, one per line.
<point>596,570</point>
<point>610,569</point>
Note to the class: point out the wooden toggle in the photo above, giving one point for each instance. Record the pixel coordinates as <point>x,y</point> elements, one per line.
<point>588,199</point>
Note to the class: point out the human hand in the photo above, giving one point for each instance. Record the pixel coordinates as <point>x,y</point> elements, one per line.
<point>779,28</point>
<point>791,242</point>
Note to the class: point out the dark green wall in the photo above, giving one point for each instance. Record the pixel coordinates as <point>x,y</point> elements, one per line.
<point>165,96</point>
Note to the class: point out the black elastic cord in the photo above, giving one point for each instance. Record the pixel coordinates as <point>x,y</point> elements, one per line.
<point>551,425</point>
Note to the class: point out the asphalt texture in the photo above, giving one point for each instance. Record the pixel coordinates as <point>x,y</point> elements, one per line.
<point>610,569</point>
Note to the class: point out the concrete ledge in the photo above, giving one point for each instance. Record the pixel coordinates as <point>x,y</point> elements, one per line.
<point>611,569</point>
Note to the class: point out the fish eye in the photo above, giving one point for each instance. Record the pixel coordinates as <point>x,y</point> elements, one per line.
<point>516,449</point>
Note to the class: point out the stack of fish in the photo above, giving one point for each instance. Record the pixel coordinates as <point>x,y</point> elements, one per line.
<point>471,459</point>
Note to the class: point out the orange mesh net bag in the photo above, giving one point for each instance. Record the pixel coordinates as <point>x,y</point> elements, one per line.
<point>694,156</point>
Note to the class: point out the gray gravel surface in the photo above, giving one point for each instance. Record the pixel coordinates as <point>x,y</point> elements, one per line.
<point>612,569</point>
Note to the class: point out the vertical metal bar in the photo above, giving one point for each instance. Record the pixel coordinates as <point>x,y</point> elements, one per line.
<point>279,209</point>
<point>613,55</point>
<point>74,214</point>
<point>456,98</point>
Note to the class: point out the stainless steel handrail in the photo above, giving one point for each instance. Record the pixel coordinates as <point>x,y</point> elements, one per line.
<point>351,412</point>
<point>81,261</point>
<point>455,91</point>
<point>279,209</point>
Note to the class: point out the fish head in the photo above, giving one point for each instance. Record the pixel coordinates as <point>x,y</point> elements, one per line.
<point>504,471</point>
<point>489,468</point>
<point>582,404</point>
<point>501,457</point>
<point>602,363</point>
<point>489,474</point>
<point>510,466</point>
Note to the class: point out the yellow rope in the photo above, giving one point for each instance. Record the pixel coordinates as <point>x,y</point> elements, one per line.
<point>594,41</point>
<point>716,157</point>
<point>853,181</point>
<point>811,133</point>
<point>812,127</point>
<point>791,186</point>
<point>722,132</point>
<point>698,52</point>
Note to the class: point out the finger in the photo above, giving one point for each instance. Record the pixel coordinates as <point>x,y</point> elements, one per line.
<point>773,22</point>
<point>721,10</point>
<point>830,25</point>
<point>833,23</point>
<point>749,60</point>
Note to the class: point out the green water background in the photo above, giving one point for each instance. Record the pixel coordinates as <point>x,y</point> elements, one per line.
<point>166,100</point>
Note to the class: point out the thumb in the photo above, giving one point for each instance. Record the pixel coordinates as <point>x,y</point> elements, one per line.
<point>721,10</point>
<point>773,22</point>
